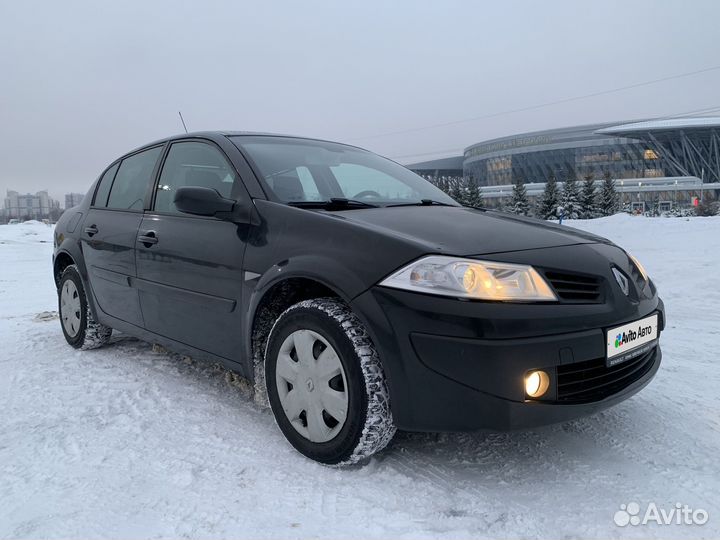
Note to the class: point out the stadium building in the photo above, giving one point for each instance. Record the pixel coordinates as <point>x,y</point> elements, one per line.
<point>670,162</point>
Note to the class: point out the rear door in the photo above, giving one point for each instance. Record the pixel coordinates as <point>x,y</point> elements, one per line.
<point>190,269</point>
<point>109,234</point>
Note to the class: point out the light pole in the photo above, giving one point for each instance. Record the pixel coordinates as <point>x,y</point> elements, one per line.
<point>702,181</point>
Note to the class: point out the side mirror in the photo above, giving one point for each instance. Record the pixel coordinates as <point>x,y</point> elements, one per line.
<point>202,201</point>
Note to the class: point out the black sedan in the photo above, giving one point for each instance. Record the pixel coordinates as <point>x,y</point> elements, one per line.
<point>356,296</point>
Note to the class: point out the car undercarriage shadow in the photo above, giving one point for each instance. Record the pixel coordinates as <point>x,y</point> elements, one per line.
<point>195,371</point>
<point>565,446</point>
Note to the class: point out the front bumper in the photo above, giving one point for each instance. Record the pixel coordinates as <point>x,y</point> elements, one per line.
<point>460,366</point>
<point>492,374</point>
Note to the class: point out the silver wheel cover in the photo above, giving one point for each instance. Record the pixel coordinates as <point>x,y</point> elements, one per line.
<point>315,409</point>
<point>70,308</point>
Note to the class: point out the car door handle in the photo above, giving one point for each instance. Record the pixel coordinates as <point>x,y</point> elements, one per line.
<point>91,230</point>
<point>148,239</point>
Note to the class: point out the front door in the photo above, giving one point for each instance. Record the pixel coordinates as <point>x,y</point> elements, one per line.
<point>190,267</point>
<point>109,234</point>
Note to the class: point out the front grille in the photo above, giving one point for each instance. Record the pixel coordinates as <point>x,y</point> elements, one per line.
<point>575,288</point>
<point>593,380</point>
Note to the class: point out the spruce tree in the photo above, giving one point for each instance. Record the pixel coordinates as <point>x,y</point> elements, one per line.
<point>474,196</point>
<point>519,203</point>
<point>588,198</point>
<point>457,191</point>
<point>549,200</point>
<point>571,198</point>
<point>609,199</point>
<point>447,184</point>
<point>708,207</point>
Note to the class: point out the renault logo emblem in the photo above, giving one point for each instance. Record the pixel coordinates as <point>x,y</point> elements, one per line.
<point>622,281</point>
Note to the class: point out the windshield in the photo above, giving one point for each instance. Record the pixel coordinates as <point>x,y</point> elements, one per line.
<point>300,170</point>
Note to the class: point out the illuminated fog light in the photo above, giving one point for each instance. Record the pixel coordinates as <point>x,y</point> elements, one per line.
<point>536,383</point>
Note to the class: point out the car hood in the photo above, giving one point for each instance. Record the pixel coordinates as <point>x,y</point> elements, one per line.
<point>466,231</point>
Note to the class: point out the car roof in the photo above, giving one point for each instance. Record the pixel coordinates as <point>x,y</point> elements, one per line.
<point>214,135</point>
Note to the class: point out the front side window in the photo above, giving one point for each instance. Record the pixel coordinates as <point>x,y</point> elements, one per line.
<point>132,179</point>
<point>193,164</point>
<point>103,190</point>
<point>299,170</point>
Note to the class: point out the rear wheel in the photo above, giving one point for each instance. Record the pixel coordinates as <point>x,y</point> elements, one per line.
<point>326,385</point>
<point>79,326</point>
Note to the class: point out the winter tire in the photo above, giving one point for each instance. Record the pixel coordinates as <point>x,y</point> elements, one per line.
<point>326,384</point>
<point>78,324</point>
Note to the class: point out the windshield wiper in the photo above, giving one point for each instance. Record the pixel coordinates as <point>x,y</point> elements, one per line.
<point>422,202</point>
<point>335,203</point>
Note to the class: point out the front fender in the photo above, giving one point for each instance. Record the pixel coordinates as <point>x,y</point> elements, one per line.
<point>326,247</point>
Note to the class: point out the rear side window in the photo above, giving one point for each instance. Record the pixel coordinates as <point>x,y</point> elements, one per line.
<point>131,182</point>
<point>101,195</point>
<point>194,164</point>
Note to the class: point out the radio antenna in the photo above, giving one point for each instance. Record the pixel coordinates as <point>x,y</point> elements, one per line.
<point>183,122</point>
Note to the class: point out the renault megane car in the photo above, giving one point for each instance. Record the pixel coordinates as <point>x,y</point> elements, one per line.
<point>357,297</point>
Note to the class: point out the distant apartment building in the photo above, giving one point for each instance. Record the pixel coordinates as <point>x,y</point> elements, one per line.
<point>29,206</point>
<point>73,199</point>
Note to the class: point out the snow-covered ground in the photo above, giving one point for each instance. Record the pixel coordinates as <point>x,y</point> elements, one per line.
<point>124,442</point>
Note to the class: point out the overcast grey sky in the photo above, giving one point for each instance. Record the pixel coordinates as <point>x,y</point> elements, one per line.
<point>83,82</point>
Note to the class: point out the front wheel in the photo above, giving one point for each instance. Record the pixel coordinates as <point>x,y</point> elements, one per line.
<point>326,384</point>
<point>79,326</point>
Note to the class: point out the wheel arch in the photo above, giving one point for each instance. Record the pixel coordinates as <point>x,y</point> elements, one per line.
<point>63,259</point>
<point>267,303</point>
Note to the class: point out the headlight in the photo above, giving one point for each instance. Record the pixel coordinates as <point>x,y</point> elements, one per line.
<point>640,268</point>
<point>467,278</point>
